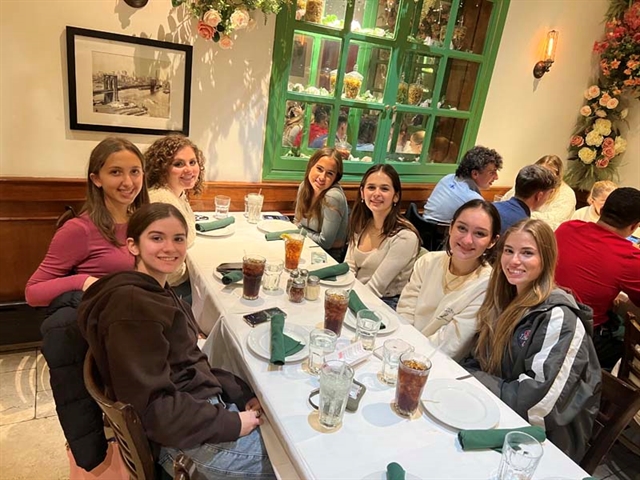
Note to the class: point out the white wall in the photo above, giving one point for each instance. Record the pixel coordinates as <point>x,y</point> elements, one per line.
<point>523,119</point>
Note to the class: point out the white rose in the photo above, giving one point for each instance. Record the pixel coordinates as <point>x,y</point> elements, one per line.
<point>587,155</point>
<point>594,138</point>
<point>624,113</point>
<point>225,42</point>
<point>239,19</point>
<point>602,126</point>
<point>212,17</point>
<point>601,113</point>
<point>620,145</point>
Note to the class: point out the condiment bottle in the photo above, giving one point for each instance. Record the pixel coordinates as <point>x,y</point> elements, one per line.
<point>312,290</point>
<point>304,274</point>
<point>292,276</point>
<point>296,292</point>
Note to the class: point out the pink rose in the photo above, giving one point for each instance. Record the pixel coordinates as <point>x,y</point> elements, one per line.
<point>205,30</point>
<point>585,111</point>
<point>608,142</point>
<point>212,17</point>
<point>592,92</point>
<point>605,99</point>
<point>613,103</point>
<point>609,152</point>
<point>577,141</point>
<point>601,113</point>
<point>602,162</point>
<point>239,19</point>
<point>225,42</point>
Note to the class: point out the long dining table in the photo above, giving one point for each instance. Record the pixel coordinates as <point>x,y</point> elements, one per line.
<point>372,437</point>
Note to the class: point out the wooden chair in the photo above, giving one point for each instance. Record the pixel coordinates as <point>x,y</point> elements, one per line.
<point>630,369</point>
<point>619,403</point>
<point>129,433</point>
<point>431,233</point>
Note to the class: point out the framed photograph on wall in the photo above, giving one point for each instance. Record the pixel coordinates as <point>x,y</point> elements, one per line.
<point>119,83</point>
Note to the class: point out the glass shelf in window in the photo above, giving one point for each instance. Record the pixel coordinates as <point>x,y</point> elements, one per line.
<point>373,64</point>
<point>429,24</point>
<point>295,136</point>
<point>472,24</point>
<point>459,84</point>
<point>312,59</point>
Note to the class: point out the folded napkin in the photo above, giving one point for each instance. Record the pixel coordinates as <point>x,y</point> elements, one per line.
<point>355,305</point>
<point>281,345</point>
<point>232,277</point>
<point>215,225</point>
<point>494,438</point>
<point>330,273</point>
<point>278,235</point>
<point>395,471</point>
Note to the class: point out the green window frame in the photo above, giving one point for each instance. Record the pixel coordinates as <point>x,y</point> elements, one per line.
<point>280,165</point>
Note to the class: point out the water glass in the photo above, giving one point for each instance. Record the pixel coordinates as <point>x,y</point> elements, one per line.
<point>271,278</point>
<point>413,371</point>
<point>391,351</point>
<point>521,454</point>
<point>246,206</point>
<point>367,327</point>
<point>254,207</point>
<point>321,342</point>
<point>252,271</point>
<point>222,206</point>
<point>335,383</point>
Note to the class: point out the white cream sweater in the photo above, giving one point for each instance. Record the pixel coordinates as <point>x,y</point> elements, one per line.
<point>448,318</point>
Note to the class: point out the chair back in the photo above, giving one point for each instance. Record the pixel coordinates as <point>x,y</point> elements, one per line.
<point>126,424</point>
<point>630,365</point>
<point>619,403</point>
<point>430,233</point>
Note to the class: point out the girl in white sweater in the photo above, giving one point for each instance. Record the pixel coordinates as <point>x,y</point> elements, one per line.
<point>447,288</point>
<point>383,246</point>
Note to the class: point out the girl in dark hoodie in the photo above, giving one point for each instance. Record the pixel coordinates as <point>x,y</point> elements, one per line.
<point>143,338</point>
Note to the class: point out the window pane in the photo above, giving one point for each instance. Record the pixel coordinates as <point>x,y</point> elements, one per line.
<point>379,22</point>
<point>446,140</point>
<point>330,13</point>
<point>418,79</point>
<point>313,59</point>
<point>300,140</point>
<point>460,81</point>
<point>429,24</point>
<point>406,137</point>
<point>470,32</point>
<point>366,75</point>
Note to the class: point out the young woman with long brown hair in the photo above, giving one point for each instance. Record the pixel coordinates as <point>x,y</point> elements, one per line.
<point>321,205</point>
<point>383,246</point>
<point>534,347</point>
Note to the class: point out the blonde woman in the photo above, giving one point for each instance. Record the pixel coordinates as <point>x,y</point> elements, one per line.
<point>598,195</point>
<point>562,203</point>
<point>534,347</point>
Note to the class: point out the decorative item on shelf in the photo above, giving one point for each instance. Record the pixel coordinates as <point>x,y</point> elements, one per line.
<point>313,11</point>
<point>544,65</point>
<point>352,83</point>
<point>218,19</point>
<point>415,91</point>
<point>403,88</point>
<point>333,77</point>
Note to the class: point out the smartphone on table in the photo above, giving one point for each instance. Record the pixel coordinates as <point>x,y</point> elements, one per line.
<point>256,318</point>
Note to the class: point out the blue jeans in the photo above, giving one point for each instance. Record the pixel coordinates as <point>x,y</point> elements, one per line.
<point>244,458</point>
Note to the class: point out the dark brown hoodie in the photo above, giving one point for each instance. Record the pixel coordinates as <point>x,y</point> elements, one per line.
<point>144,341</point>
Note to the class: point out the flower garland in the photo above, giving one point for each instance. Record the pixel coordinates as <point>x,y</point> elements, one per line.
<point>596,145</point>
<point>217,19</point>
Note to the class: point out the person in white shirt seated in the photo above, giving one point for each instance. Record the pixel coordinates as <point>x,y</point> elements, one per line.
<point>447,288</point>
<point>562,202</point>
<point>383,246</point>
<point>477,170</point>
<point>598,195</point>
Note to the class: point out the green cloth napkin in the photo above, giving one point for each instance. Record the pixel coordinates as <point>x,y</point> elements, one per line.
<point>215,225</point>
<point>494,438</point>
<point>395,471</point>
<point>281,345</point>
<point>330,273</point>
<point>269,237</point>
<point>232,277</point>
<point>355,305</point>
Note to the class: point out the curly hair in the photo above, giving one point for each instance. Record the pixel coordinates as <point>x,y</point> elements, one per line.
<point>478,158</point>
<point>159,156</point>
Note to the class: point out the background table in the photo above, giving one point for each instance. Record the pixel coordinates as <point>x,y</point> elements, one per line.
<point>368,439</point>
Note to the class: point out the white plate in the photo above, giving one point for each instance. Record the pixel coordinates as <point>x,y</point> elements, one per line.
<point>269,226</point>
<point>343,280</point>
<point>389,320</point>
<point>459,404</point>
<point>221,232</point>
<point>259,341</point>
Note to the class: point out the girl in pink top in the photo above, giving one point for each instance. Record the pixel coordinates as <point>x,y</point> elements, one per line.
<point>92,245</point>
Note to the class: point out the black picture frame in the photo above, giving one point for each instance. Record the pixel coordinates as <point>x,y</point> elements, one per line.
<point>109,75</point>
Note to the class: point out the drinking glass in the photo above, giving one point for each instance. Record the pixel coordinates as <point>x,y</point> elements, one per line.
<point>272,272</point>
<point>293,243</point>
<point>413,371</point>
<point>254,207</point>
<point>391,351</point>
<point>367,327</point>
<point>336,302</point>
<point>321,342</point>
<point>246,206</point>
<point>252,271</point>
<point>335,383</point>
<point>521,454</point>
<point>222,206</point>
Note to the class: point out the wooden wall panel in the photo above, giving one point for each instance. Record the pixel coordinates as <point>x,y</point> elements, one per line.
<point>30,206</point>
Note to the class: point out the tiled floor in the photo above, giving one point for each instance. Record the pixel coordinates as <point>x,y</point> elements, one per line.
<point>32,446</point>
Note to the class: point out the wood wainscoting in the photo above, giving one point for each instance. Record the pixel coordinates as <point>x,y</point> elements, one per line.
<point>29,208</point>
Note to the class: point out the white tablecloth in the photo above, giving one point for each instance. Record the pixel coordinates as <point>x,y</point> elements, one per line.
<point>373,436</point>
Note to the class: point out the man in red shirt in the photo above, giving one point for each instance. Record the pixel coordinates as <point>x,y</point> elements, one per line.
<point>596,262</point>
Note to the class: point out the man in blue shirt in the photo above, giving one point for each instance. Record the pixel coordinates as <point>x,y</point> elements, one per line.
<point>534,184</point>
<point>478,169</point>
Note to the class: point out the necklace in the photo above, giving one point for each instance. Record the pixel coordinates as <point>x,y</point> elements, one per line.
<point>452,282</point>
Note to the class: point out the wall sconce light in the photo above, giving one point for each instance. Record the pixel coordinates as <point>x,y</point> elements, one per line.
<point>544,65</point>
<point>136,3</point>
